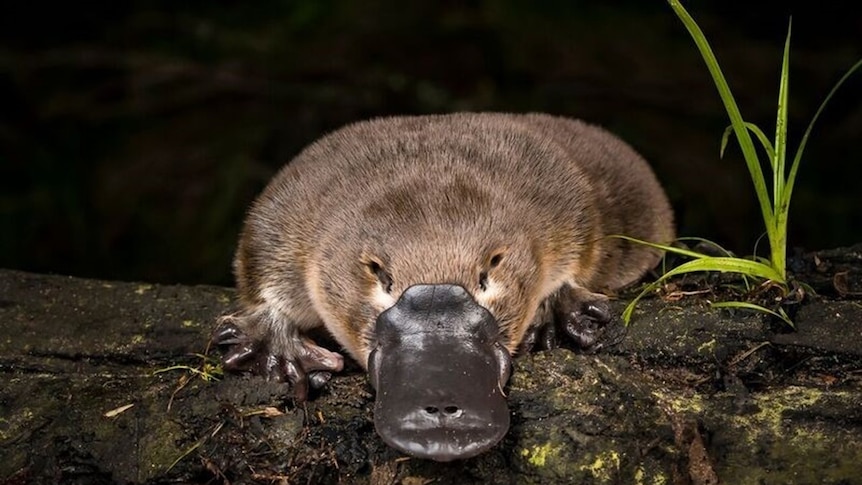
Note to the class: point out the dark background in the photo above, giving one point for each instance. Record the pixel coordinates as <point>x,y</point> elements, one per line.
<point>134,134</point>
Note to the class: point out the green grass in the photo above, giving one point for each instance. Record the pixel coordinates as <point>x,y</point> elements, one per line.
<point>210,369</point>
<point>774,204</point>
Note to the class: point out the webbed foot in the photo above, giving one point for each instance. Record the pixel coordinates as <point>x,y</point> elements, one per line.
<point>578,316</point>
<point>302,363</point>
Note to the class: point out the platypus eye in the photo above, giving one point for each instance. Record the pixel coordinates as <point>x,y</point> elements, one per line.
<point>495,260</point>
<point>383,276</point>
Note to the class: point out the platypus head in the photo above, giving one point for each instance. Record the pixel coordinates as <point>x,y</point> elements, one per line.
<point>439,367</point>
<point>436,333</point>
<point>432,290</point>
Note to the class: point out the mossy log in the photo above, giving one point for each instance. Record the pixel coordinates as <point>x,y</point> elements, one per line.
<point>691,396</point>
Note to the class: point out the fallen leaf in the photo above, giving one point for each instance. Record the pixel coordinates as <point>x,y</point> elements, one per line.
<point>117,411</point>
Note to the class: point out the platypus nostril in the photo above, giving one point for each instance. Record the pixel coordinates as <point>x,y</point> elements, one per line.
<point>452,411</point>
<point>447,412</point>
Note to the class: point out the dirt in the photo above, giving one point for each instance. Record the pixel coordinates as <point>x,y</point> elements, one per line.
<point>693,395</point>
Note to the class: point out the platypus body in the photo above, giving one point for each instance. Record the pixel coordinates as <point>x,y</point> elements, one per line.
<point>433,249</point>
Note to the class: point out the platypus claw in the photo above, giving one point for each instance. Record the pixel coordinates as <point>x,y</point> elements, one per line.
<point>589,324</point>
<point>305,366</point>
<point>578,316</point>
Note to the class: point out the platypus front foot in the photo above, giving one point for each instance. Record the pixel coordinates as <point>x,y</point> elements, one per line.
<point>300,362</point>
<point>586,319</point>
<point>576,316</point>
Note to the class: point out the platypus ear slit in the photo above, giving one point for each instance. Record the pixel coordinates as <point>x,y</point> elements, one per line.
<point>382,275</point>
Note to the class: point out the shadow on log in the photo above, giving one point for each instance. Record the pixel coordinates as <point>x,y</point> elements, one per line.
<point>692,396</point>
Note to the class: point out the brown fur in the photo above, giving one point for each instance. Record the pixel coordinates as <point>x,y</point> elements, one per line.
<point>521,203</point>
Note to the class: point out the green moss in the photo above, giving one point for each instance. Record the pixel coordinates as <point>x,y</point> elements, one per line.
<point>692,404</point>
<point>769,417</point>
<point>792,443</point>
<point>707,347</point>
<point>158,448</point>
<point>642,477</point>
<point>16,424</point>
<point>605,467</point>
<point>537,455</point>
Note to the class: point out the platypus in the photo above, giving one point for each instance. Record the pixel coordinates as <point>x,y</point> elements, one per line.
<point>434,249</point>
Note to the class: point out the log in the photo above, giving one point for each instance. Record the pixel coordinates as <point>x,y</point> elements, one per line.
<point>113,382</point>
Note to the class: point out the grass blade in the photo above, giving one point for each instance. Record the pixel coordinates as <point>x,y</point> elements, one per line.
<point>663,247</point>
<point>727,265</point>
<point>776,229</point>
<point>708,263</point>
<point>761,137</point>
<point>753,306</point>
<point>781,127</point>
<point>706,241</point>
<point>788,189</point>
<point>733,113</point>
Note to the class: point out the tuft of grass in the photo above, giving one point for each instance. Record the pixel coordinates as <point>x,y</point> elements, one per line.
<point>774,204</point>
<point>701,262</point>
<point>210,369</point>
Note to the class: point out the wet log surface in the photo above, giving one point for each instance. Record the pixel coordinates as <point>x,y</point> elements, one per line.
<point>693,395</point>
